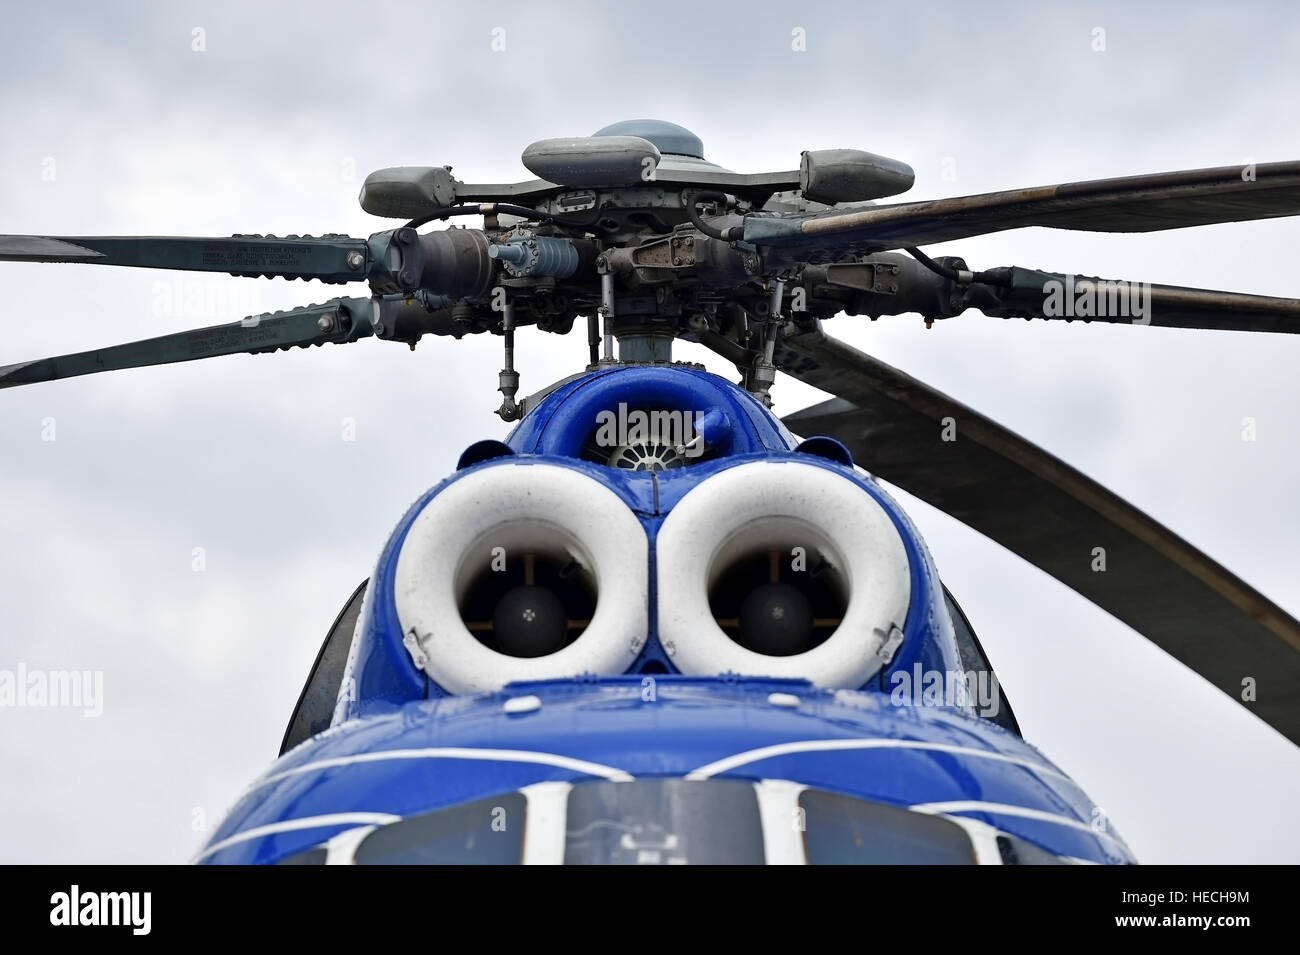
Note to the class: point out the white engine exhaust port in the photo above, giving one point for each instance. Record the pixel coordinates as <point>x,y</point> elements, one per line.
<point>523,572</point>
<point>781,569</point>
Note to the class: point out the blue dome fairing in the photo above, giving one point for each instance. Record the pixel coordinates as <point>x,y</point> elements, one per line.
<point>555,432</point>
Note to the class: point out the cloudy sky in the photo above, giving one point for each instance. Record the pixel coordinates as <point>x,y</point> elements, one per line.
<point>116,124</point>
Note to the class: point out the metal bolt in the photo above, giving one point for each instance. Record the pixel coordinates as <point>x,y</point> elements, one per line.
<point>356,260</point>
<point>325,322</point>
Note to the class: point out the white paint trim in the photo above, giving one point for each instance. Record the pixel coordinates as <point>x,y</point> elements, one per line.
<point>455,752</point>
<point>342,849</point>
<point>778,800</point>
<point>307,822</point>
<point>983,837</point>
<point>545,823</point>
<point>1005,809</point>
<point>831,745</point>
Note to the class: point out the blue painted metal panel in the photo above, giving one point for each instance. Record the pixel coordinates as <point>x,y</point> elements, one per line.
<point>908,756</point>
<point>388,751</point>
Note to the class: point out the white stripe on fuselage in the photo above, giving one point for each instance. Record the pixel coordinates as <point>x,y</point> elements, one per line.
<point>831,745</point>
<point>1005,809</point>
<point>618,775</point>
<point>307,822</point>
<point>456,752</point>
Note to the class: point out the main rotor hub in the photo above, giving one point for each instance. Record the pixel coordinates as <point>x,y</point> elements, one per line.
<point>667,137</point>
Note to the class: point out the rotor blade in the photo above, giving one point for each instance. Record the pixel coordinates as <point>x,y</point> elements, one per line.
<point>1053,295</point>
<point>888,283</point>
<point>1053,516</point>
<point>1170,200</point>
<point>341,320</point>
<point>330,258</point>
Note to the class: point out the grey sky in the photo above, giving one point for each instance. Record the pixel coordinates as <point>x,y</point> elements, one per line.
<point>272,128</point>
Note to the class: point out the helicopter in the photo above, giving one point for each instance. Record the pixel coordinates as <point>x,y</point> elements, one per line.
<point>655,626</point>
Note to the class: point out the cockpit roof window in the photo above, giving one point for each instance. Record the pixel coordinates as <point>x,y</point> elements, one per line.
<point>673,821</point>
<point>664,822</point>
<point>841,830</point>
<point>486,832</point>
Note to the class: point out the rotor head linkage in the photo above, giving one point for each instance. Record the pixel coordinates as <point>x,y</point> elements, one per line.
<point>593,338</point>
<point>778,298</point>
<point>607,312</point>
<point>508,379</point>
<point>761,374</point>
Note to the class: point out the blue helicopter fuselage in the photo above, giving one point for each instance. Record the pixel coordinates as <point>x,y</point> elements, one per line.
<point>673,739</point>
